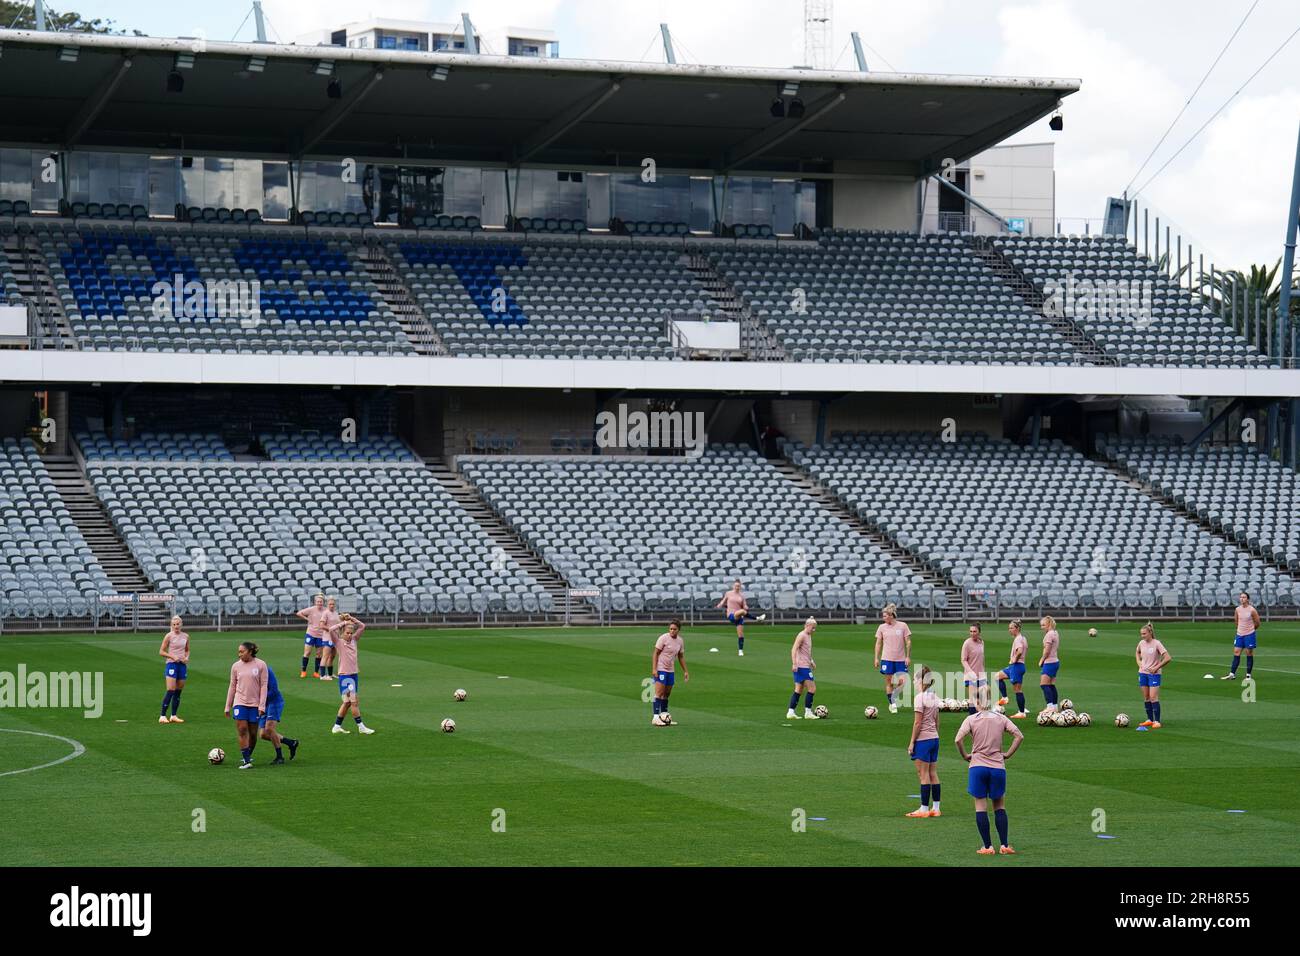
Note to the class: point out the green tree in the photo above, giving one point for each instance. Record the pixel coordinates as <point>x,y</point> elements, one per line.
<point>22,16</point>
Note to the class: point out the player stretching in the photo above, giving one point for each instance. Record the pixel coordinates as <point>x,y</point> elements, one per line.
<point>1247,626</point>
<point>802,661</point>
<point>923,748</point>
<point>1049,663</point>
<point>737,610</point>
<point>987,777</point>
<point>668,650</point>
<point>268,723</point>
<point>893,652</point>
<point>314,615</point>
<point>972,665</point>
<point>1151,659</point>
<point>1015,671</point>
<point>176,648</point>
<point>328,623</point>
<point>247,695</point>
<point>345,633</point>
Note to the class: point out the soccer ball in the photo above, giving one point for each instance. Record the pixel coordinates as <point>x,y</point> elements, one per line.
<point>1085,719</point>
<point>1058,720</point>
<point>1092,632</point>
<point>448,726</point>
<point>1121,720</point>
<point>1067,704</point>
<point>949,704</point>
<point>460,694</point>
<point>1071,718</point>
<point>1044,718</point>
<point>998,708</point>
<point>216,755</point>
<point>821,712</point>
<point>964,704</point>
<point>665,719</point>
<point>871,713</point>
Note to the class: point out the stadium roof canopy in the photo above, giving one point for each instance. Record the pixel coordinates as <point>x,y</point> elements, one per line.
<point>88,91</point>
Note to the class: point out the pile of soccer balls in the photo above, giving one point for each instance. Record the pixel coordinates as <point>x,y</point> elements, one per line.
<point>951,704</point>
<point>1067,716</point>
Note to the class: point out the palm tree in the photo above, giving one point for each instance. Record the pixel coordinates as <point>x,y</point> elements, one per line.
<point>1235,295</point>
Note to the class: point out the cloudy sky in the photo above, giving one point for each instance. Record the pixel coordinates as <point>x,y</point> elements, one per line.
<point>1139,62</point>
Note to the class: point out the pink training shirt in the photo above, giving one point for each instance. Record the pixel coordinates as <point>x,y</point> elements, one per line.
<point>667,647</point>
<point>894,646</point>
<point>1245,620</point>
<point>733,601</point>
<point>1151,653</point>
<point>927,705</point>
<point>247,685</point>
<point>1019,648</point>
<point>972,658</point>
<point>985,728</point>
<point>315,620</point>
<point>178,647</point>
<point>803,649</point>
<point>1051,642</point>
<point>347,650</point>
<point>329,622</point>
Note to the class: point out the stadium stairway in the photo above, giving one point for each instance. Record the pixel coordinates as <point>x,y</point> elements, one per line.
<point>36,285</point>
<point>1154,494</point>
<point>467,496</point>
<point>410,316</point>
<point>755,335</point>
<point>109,550</point>
<point>807,484</point>
<point>1012,278</point>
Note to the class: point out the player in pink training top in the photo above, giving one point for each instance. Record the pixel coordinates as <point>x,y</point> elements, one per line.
<point>176,648</point>
<point>972,664</point>
<point>737,609</point>
<point>1151,659</point>
<point>1247,626</point>
<point>801,660</point>
<point>314,615</point>
<point>1049,663</point>
<point>345,633</point>
<point>893,652</point>
<point>1014,671</point>
<point>663,661</point>
<point>923,747</point>
<point>247,696</point>
<point>987,776</point>
<point>328,623</point>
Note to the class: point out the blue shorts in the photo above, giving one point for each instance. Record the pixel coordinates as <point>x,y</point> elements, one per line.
<point>893,667</point>
<point>979,682</point>
<point>926,750</point>
<point>802,674</point>
<point>1245,640</point>
<point>986,782</point>
<point>1149,680</point>
<point>737,618</point>
<point>274,711</point>
<point>667,678</point>
<point>347,684</point>
<point>1015,672</point>
<point>326,642</point>
<point>176,670</point>
<point>1049,670</point>
<point>309,641</point>
<point>244,713</point>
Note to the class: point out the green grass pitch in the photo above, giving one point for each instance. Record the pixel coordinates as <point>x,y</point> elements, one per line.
<point>555,734</point>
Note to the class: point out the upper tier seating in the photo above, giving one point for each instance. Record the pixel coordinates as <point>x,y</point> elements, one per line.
<point>261,538</point>
<point>659,532</point>
<point>314,296</point>
<point>310,447</point>
<point>550,300</point>
<point>1178,330</point>
<point>149,446</point>
<point>1240,492</point>
<point>46,567</point>
<point>1033,522</point>
<point>889,297</point>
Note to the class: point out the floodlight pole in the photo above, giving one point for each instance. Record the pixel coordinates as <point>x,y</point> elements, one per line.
<point>259,21</point>
<point>670,55</point>
<point>471,44</point>
<point>857,52</point>
<point>1286,334</point>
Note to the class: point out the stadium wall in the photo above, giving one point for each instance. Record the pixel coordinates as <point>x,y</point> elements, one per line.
<point>903,412</point>
<point>873,202</point>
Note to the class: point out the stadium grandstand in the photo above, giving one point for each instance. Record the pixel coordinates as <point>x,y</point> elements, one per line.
<point>282,319</point>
